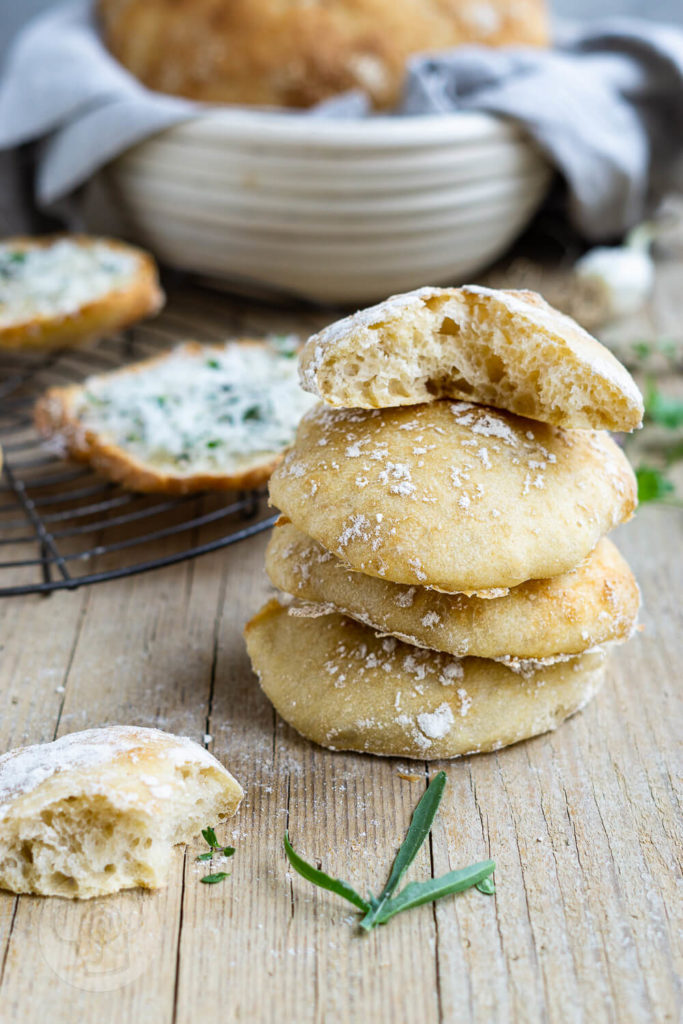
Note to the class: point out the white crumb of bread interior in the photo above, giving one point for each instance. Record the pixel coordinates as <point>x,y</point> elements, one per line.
<point>100,810</point>
<point>507,349</point>
<point>59,278</point>
<point>201,408</point>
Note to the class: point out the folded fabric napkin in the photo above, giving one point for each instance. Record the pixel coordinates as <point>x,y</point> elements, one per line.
<point>605,106</point>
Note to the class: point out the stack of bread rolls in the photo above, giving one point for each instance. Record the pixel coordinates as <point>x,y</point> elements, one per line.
<point>443,538</point>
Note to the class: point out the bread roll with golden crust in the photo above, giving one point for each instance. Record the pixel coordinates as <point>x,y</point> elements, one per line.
<point>507,349</point>
<point>99,811</point>
<point>62,290</point>
<point>453,496</point>
<point>595,603</point>
<point>294,53</point>
<point>339,684</point>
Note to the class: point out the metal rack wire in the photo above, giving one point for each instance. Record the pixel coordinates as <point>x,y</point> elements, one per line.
<point>61,525</point>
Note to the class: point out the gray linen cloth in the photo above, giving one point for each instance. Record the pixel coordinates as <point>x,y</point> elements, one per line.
<point>605,105</point>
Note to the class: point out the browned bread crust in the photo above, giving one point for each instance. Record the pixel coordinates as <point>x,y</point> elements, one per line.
<point>292,54</point>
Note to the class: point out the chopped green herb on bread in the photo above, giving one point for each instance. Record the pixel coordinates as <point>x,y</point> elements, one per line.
<point>200,417</point>
<point>61,290</point>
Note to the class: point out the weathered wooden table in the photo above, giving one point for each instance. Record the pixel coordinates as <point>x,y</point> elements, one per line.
<point>582,823</point>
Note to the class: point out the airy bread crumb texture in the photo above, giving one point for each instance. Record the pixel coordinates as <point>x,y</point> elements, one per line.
<point>506,349</point>
<point>99,811</point>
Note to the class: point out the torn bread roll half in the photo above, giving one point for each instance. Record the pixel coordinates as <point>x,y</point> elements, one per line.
<point>62,290</point>
<point>99,811</point>
<point>343,686</point>
<point>508,349</point>
<point>200,417</point>
<point>595,603</point>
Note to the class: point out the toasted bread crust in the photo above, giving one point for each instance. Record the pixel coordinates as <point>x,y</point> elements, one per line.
<point>278,52</point>
<point>116,309</point>
<point>55,419</point>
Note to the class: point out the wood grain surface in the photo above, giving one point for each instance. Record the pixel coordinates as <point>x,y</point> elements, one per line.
<point>584,824</point>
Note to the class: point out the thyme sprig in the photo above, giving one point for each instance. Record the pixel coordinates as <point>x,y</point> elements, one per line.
<point>216,849</point>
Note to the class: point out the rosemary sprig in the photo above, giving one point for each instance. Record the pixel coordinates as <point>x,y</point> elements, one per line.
<point>417,893</point>
<point>420,827</point>
<point>380,909</point>
<point>322,880</point>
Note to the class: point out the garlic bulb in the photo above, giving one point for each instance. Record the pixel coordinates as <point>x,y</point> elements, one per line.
<point>622,276</point>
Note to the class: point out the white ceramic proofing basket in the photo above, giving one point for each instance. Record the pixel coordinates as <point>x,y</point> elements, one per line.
<point>336,211</point>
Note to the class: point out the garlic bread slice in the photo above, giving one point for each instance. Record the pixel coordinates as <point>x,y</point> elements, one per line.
<point>62,290</point>
<point>199,417</point>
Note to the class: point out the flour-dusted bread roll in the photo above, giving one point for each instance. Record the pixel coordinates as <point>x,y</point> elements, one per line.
<point>294,53</point>
<point>339,684</point>
<point>99,811</point>
<point>595,603</point>
<point>201,417</point>
<point>508,349</point>
<point>450,495</point>
<point>61,290</point>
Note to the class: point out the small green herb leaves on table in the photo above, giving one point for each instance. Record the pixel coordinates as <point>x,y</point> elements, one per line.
<point>224,851</point>
<point>665,412</point>
<point>663,409</point>
<point>379,909</point>
<point>653,485</point>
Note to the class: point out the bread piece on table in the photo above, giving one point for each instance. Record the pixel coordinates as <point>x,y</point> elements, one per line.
<point>200,417</point>
<point>507,349</point>
<point>339,684</point>
<point>294,54</point>
<point>595,603</point>
<point>61,290</point>
<point>450,495</point>
<point>100,810</point>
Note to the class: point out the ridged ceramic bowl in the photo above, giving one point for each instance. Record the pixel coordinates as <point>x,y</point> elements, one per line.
<point>340,211</point>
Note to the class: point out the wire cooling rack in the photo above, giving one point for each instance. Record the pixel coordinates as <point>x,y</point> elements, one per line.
<point>63,526</point>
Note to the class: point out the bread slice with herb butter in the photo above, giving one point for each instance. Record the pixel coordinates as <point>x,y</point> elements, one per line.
<point>99,811</point>
<point>507,349</point>
<point>200,417</point>
<point>61,290</point>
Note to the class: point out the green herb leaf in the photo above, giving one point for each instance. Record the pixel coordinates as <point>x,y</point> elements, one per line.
<point>486,886</point>
<point>420,825</point>
<point>379,909</point>
<point>286,345</point>
<point>417,893</point>
<point>323,880</point>
<point>213,364</point>
<point>213,444</point>
<point>228,851</point>
<point>254,412</point>
<point>205,856</point>
<point>210,838</point>
<point>663,409</point>
<point>653,485</point>
<point>220,876</point>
